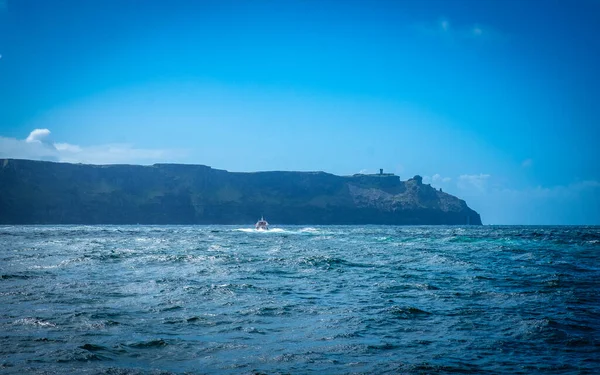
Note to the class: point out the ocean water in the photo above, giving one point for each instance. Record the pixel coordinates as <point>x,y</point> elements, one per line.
<point>299,300</point>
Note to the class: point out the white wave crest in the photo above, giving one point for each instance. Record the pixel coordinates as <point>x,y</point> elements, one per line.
<point>252,230</point>
<point>34,322</point>
<point>280,230</point>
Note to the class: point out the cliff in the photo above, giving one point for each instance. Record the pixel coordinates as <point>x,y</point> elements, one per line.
<point>36,192</point>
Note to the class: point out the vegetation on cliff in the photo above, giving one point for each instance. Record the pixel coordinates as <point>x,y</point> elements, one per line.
<point>36,192</point>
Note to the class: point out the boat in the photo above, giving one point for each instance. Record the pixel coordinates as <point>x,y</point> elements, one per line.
<point>262,224</point>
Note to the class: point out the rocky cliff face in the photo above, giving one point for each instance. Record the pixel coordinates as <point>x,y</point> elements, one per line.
<point>34,192</point>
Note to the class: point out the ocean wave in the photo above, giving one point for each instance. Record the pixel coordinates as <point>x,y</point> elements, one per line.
<point>301,299</point>
<point>408,312</point>
<point>307,230</point>
<point>35,322</point>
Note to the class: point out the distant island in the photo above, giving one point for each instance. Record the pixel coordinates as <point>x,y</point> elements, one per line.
<point>39,192</point>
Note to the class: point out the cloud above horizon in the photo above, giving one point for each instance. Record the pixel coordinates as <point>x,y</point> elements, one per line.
<point>498,201</point>
<point>38,135</point>
<point>477,181</point>
<point>436,179</point>
<point>536,205</point>
<point>569,191</point>
<point>38,146</point>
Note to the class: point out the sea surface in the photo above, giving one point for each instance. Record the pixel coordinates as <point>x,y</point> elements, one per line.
<point>299,300</point>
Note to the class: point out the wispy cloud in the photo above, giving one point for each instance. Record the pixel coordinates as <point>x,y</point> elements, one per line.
<point>573,202</point>
<point>38,146</point>
<point>436,179</point>
<point>477,181</point>
<point>479,185</point>
<point>527,163</point>
<point>569,203</point>
<point>450,32</point>
<point>22,149</point>
<point>554,192</point>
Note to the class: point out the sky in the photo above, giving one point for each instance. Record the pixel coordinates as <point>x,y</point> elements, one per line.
<point>494,101</point>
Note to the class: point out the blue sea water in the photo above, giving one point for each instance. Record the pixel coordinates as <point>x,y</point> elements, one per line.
<point>299,300</point>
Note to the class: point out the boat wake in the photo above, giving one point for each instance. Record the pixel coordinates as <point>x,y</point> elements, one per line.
<point>278,230</point>
<point>252,230</point>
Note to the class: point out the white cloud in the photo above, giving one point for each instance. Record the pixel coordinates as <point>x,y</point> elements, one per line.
<point>469,181</point>
<point>527,163</point>
<point>67,147</point>
<point>436,179</point>
<point>115,154</point>
<point>37,146</point>
<point>439,179</point>
<point>21,149</point>
<point>38,135</point>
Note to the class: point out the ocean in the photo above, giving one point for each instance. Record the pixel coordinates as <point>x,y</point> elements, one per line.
<point>299,300</point>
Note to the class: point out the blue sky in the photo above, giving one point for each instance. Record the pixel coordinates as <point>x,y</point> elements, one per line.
<point>494,101</point>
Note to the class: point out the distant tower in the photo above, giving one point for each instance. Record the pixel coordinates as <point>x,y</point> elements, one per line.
<point>380,170</point>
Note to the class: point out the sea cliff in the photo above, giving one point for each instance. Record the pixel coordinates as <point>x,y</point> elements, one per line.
<point>38,192</point>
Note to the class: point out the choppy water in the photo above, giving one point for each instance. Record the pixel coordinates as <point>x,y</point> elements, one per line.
<point>325,300</point>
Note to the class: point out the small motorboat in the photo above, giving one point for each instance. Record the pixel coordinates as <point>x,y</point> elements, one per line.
<point>262,224</point>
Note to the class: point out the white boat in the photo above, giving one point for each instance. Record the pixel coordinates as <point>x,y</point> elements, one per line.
<point>262,224</point>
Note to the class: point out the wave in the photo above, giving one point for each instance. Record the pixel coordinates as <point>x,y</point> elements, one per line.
<point>34,322</point>
<point>230,299</point>
<point>308,230</point>
<point>252,230</point>
<point>409,312</point>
